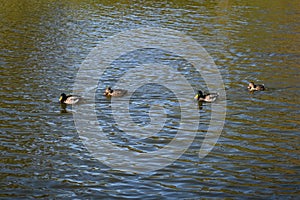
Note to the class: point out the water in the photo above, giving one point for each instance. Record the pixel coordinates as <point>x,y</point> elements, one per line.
<point>43,44</point>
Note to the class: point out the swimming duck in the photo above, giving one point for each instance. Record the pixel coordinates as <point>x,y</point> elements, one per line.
<point>253,87</point>
<point>69,99</point>
<point>205,97</point>
<point>114,93</point>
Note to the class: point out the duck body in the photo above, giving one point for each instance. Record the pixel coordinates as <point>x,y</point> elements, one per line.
<point>205,97</point>
<point>253,87</point>
<point>114,93</point>
<point>69,99</point>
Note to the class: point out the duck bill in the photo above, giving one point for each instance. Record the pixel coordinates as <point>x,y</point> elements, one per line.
<point>60,98</point>
<point>196,97</point>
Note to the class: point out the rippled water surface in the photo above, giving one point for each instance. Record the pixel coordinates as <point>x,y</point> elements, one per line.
<point>42,46</point>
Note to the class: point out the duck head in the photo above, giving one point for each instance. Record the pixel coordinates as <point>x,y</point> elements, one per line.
<point>199,95</point>
<point>251,86</point>
<point>62,97</point>
<point>108,91</point>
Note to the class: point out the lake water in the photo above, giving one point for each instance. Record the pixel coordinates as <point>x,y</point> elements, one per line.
<point>43,45</point>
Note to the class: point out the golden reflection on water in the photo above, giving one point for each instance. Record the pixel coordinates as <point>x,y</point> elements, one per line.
<point>43,44</point>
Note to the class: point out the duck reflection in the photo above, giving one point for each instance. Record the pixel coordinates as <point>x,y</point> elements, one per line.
<point>63,107</point>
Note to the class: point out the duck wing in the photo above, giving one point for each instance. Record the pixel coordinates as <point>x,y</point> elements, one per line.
<point>72,99</point>
<point>211,97</point>
<point>119,92</point>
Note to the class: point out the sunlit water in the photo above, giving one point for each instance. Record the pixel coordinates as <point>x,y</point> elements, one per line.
<point>42,46</point>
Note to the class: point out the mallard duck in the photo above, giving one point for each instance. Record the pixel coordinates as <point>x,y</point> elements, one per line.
<point>114,93</point>
<point>253,87</point>
<point>205,97</point>
<point>69,99</point>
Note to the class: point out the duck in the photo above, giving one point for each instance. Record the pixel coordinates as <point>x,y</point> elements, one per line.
<point>205,97</point>
<point>69,99</point>
<point>114,93</point>
<point>253,87</point>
